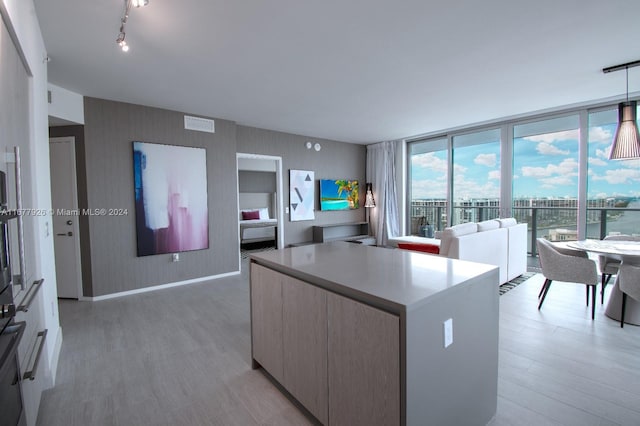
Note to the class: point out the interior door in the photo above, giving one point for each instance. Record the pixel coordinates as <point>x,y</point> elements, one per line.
<point>64,201</point>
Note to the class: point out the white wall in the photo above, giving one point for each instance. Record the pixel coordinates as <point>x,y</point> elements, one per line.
<point>25,23</point>
<point>66,105</point>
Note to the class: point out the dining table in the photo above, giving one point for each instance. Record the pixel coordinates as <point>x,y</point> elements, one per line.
<point>626,252</point>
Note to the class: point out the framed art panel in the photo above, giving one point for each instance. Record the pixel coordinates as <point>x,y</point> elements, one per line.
<point>170,185</point>
<point>301,195</point>
<point>340,194</point>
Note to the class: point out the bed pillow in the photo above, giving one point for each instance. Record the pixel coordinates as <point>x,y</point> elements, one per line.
<point>264,213</point>
<point>250,215</point>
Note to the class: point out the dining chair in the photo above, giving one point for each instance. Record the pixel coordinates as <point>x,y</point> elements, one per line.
<point>629,284</point>
<point>567,265</point>
<point>609,265</point>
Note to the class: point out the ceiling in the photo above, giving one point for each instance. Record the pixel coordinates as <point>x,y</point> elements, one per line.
<point>358,71</point>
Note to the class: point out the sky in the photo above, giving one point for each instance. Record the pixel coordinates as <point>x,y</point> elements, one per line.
<point>544,165</point>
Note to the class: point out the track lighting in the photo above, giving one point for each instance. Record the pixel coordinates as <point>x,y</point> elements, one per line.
<point>123,22</point>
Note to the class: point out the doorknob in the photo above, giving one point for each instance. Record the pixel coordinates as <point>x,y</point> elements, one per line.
<point>68,234</point>
<point>69,223</point>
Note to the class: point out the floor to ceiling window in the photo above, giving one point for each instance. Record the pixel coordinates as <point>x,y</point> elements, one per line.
<point>428,187</point>
<point>476,176</point>
<point>552,172</point>
<point>545,177</point>
<point>613,186</point>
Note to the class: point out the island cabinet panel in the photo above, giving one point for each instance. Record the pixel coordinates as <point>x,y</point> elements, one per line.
<point>266,320</point>
<point>364,364</point>
<point>305,344</point>
<point>365,345</point>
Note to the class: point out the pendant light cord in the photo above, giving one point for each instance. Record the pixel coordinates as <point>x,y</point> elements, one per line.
<point>627,69</point>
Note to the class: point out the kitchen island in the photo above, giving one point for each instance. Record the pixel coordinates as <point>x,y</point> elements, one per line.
<point>363,335</point>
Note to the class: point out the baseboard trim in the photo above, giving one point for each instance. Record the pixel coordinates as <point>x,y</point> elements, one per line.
<point>157,287</point>
<point>53,366</point>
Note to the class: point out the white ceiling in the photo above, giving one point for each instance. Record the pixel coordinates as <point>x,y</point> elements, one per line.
<point>358,71</point>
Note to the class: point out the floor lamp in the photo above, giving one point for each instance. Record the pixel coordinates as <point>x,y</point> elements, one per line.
<point>369,202</point>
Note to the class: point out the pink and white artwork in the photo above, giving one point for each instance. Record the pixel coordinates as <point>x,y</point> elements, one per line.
<point>170,185</point>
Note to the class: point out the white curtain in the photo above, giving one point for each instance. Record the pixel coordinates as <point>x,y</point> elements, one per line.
<point>381,173</point>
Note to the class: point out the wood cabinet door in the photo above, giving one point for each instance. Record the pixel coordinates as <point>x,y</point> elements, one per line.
<point>363,364</point>
<point>266,319</point>
<point>305,344</point>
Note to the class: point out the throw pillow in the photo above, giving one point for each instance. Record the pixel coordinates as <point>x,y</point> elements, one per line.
<point>251,215</point>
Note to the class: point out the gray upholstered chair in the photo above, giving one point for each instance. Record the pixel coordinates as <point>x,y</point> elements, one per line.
<point>629,283</point>
<point>608,265</point>
<point>568,265</point>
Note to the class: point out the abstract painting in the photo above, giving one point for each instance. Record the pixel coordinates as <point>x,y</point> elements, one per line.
<point>170,184</point>
<point>301,195</point>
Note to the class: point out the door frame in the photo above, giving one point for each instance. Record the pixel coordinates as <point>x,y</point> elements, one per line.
<point>74,193</point>
<point>279,188</point>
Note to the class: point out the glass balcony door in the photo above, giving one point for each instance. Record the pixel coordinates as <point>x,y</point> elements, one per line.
<point>476,176</point>
<point>546,177</point>
<point>428,185</point>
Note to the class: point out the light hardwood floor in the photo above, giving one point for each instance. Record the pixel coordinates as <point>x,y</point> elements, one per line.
<point>181,356</point>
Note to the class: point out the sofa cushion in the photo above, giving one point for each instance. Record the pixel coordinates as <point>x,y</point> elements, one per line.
<point>507,223</point>
<point>455,231</point>
<point>488,225</point>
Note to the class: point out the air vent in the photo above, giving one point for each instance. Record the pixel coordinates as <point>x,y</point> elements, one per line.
<point>199,124</point>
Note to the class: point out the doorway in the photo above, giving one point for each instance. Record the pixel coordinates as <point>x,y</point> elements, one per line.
<point>66,230</point>
<point>255,175</point>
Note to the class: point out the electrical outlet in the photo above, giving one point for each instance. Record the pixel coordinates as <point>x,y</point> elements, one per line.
<point>286,210</point>
<point>175,257</point>
<point>448,332</point>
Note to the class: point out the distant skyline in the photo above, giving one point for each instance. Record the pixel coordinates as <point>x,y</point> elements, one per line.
<point>544,166</point>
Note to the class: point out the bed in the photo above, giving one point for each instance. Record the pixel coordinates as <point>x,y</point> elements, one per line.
<point>257,223</point>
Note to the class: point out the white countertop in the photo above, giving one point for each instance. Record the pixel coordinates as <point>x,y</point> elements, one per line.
<point>396,279</point>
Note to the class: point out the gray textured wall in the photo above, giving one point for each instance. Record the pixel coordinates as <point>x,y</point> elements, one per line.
<point>252,181</point>
<point>110,128</point>
<point>109,246</point>
<point>336,160</point>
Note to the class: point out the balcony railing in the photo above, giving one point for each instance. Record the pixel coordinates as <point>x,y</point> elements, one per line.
<point>553,223</point>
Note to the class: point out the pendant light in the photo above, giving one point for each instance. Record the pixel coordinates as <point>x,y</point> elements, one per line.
<point>626,142</point>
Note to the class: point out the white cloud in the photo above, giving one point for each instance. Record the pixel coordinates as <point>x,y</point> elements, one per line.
<point>600,134</point>
<point>494,175</point>
<point>594,161</point>
<point>549,138</point>
<point>557,180</point>
<point>545,148</point>
<point>619,176</point>
<point>429,161</point>
<point>432,163</point>
<point>428,189</point>
<point>488,160</point>
<point>568,167</point>
<point>603,153</point>
<point>471,189</point>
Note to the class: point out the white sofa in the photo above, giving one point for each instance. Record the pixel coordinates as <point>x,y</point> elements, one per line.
<point>499,242</point>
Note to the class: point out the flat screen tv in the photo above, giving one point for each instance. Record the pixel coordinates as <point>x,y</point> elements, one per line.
<point>339,194</point>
